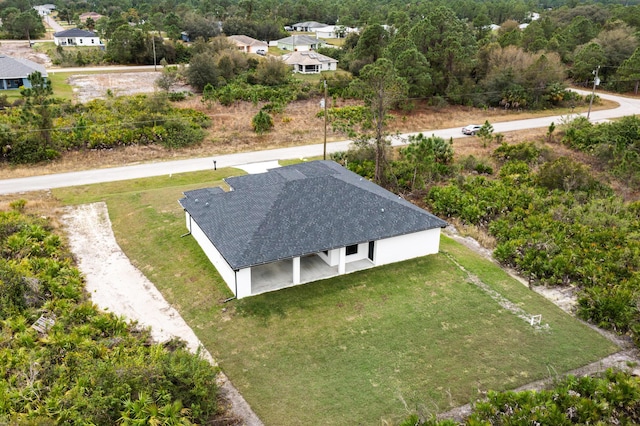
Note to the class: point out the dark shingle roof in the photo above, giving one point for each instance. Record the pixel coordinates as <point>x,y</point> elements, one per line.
<point>18,67</point>
<point>74,32</point>
<point>300,209</point>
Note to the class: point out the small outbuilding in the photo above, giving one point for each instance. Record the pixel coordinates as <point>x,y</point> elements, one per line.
<point>309,62</point>
<point>14,72</point>
<point>76,37</point>
<point>304,222</point>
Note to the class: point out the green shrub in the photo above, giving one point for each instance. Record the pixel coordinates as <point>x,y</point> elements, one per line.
<point>177,96</point>
<point>527,152</point>
<point>565,174</point>
<point>262,122</point>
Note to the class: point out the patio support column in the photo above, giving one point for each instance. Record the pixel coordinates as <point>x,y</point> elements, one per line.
<point>342,261</point>
<point>296,270</point>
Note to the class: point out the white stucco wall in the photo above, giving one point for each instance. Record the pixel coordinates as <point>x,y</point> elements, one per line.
<point>405,247</point>
<point>77,41</point>
<point>333,66</point>
<point>332,258</point>
<point>244,283</point>
<point>363,251</point>
<point>225,271</point>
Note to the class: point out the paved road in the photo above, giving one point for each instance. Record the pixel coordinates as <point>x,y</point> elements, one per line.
<point>112,68</point>
<point>627,106</point>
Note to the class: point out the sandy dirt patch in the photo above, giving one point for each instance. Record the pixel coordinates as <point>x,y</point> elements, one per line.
<point>21,49</point>
<point>96,86</point>
<point>115,285</point>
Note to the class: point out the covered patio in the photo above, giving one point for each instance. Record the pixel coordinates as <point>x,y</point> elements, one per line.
<point>278,275</point>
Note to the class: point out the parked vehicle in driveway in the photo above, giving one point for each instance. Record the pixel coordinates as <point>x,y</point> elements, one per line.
<point>261,52</point>
<point>471,129</point>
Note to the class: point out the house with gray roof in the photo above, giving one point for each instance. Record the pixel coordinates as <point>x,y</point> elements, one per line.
<point>299,43</point>
<point>310,62</point>
<point>14,72</point>
<point>304,222</point>
<point>76,37</point>
<point>307,26</point>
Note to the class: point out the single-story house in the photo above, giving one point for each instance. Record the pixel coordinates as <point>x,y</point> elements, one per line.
<point>334,31</point>
<point>304,222</point>
<point>310,62</point>
<point>45,9</point>
<point>93,15</point>
<point>76,37</point>
<point>307,27</point>
<point>300,43</point>
<point>14,72</point>
<point>248,44</point>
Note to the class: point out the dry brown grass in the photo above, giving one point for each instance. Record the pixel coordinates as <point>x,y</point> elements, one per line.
<point>297,125</point>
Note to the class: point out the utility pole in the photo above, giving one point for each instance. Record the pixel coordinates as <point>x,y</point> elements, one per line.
<point>324,156</point>
<point>596,81</point>
<point>153,39</point>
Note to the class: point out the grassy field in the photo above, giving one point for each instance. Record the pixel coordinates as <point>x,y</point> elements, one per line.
<point>355,349</point>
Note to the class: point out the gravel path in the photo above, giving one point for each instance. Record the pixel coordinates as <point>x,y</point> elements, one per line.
<point>115,285</point>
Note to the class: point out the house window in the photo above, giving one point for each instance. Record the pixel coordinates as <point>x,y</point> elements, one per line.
<point>81,41</point>
<point>93,41</point>
<point>353,249</point>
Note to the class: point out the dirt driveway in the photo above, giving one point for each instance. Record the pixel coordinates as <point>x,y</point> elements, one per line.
<point>115,285</point>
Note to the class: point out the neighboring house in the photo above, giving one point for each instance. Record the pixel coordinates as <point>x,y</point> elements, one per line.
<point>76,37</point>
<point>93,15</point>
<point>304,222</point>
<point>45,9</point>
<point>307,27</point>
<point>14,72</point>
<point>248,45</point>
<point>334,31</point>
<point>300,43</point>
<point>310,62</point>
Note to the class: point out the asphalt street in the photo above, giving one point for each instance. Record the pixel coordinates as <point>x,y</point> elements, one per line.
<point>628,106</point>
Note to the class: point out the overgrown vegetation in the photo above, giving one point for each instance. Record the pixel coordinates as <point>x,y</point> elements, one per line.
<point>557,225</point>
<point>44,127</point>
<point>611,399</point>
<point>616,145</point>
<point>62,361</point>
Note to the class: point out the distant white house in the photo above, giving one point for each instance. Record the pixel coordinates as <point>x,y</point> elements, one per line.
<point>309,62</point>
<point>76,37</point>
<point>303,223</point>
<point>307,27</point>
<point>334,31</point>
<point>45,9</point>
<point>299,43</point>
<point>249,45</point>
<point>14,72</point>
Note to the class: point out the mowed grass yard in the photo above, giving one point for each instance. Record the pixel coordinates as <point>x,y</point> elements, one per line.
<point>356,349</point>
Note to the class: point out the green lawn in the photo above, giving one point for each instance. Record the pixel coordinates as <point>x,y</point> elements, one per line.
<point>416,335</point>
